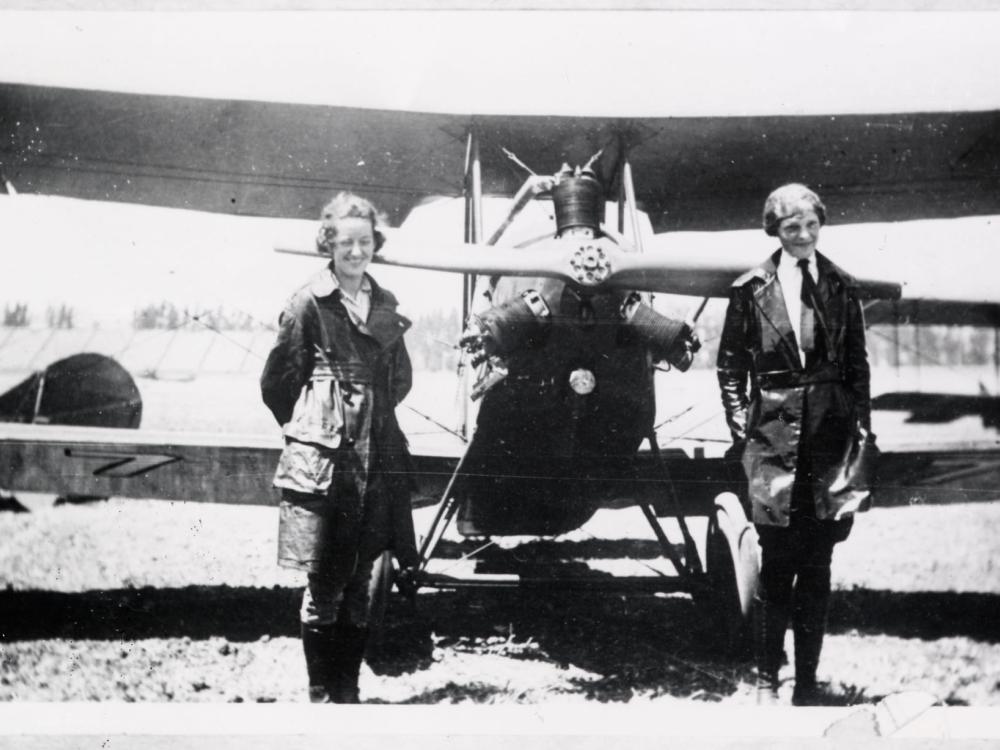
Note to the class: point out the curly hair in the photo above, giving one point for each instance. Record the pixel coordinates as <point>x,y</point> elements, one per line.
<point>787,201</point>
<point>348,206</point>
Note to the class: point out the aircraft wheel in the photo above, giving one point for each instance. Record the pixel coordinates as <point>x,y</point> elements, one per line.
<point>379,588</point>
<point>733,567</point>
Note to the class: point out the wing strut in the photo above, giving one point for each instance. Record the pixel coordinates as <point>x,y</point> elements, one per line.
<point>445,513</point>
<point>692,563</point>
<point>532,187</point>
<point>473,212</point>
<point>633,209</point>
<point>473,235</point>
<point>996,353</point>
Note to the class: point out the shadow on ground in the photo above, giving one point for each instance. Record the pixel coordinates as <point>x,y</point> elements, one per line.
<point>246,613</point>
<point>922,614</point>
<point>626,644</point>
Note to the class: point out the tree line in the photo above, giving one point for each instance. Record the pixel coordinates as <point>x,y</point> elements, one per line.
<point>17,316</point>
<point>434,337</point>
<point>166,315</point>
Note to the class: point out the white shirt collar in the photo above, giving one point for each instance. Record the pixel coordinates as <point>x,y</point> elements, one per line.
<point>326,283</point>
<point>366,287</point>
<point>359,306</point>
<point>790,261</point>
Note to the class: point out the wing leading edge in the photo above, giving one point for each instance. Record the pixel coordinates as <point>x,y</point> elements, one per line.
<point>692,173</point>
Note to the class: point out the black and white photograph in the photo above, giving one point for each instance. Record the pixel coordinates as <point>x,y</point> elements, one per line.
<point>549,371</point>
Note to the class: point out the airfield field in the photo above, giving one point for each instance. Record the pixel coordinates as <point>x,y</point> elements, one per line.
<point>139,600</point>
<point>152,601</point>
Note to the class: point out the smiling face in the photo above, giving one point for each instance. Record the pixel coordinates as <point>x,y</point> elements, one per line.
<point>799,232</point>
<point>353,248</point>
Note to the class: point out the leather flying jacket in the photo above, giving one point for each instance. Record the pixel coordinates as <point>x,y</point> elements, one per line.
<point>363,372</point>
<point>781,412</point>
<point>758,349</point>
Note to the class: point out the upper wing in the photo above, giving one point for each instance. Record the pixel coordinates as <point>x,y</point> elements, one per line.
<point>692,173</point>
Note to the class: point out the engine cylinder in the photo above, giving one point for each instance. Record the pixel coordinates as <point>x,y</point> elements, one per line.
<point>579,202</point>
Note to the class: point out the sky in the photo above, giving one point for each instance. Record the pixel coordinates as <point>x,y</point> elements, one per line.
<point>611,63</point>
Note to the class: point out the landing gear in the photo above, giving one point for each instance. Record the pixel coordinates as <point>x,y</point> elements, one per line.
<point>400,638</point>
<point>732,565</point>
<point>379,588</point>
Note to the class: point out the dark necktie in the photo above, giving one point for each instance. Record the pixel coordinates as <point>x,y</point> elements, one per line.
<point>807,325</point>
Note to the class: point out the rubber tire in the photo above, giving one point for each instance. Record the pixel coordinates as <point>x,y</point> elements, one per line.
<point>379,587</point>
<point>733,569</point>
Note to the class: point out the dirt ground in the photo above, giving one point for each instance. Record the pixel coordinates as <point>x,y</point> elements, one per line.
<point>130,600</point>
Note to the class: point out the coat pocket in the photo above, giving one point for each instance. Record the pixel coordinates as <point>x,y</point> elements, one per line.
<point>849,484</point>
<point>318,416</point>
<point>304,467</point>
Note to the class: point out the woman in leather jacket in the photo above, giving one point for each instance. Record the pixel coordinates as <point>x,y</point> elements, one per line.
<point>332,380</point>
<point>794,376</point>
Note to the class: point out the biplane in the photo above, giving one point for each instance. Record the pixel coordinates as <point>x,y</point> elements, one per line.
<point>688,150</point>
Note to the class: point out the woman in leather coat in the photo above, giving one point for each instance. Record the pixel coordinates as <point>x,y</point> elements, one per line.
<point>332,380</point>
<point>793,371</point>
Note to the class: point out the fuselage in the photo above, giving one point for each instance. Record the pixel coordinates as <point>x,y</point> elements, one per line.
<point>543,456</point>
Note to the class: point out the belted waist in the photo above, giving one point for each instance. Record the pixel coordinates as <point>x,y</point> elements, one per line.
<point>828,372</point>
<point>351,372</point>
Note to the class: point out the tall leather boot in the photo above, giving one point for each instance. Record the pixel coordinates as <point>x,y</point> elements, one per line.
<point>349,643</point>
<point>809,624</point>
<point>769,623</point>
<point>316,643</point>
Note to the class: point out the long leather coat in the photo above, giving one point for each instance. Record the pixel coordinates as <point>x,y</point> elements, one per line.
<point>344,469</point>
<point>780,412</point>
